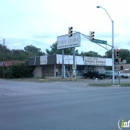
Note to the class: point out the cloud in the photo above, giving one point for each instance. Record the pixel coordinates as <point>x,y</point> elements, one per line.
<point>39,22</point>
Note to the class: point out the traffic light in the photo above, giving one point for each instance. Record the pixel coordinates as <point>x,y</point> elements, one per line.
<point>70,31</point>
<point>116,60</point>
<point>117,53</point>
<point>91,35</point>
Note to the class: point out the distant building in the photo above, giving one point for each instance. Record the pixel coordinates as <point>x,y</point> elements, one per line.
<point>125,68</point>
<point>11,62</point>
<point>50,65</point>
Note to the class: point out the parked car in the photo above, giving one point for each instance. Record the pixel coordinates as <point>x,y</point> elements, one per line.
<point>123,75</point>
<point>109,74</point>
<point>94,74</point>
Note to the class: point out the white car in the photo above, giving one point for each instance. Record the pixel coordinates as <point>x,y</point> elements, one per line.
<point>124,75</point>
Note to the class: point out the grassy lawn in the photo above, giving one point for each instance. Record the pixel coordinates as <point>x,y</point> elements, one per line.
<point>109,84</point>
<point>44,79</point>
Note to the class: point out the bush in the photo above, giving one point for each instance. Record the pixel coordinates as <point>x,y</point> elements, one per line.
<point>19,71</point>
<point>1,72</point>
<point>9,73</point>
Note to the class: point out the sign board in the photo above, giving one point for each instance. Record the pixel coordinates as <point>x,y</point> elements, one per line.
<point>43,60</point>
<point>68,59</point>
<point>67,42</point>
<point>99,41</point>
<point>95,61</point>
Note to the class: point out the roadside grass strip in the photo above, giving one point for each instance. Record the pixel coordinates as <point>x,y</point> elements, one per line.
<point>109,84</point>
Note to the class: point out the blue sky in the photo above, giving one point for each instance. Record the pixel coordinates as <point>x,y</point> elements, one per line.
<point>39,22</point>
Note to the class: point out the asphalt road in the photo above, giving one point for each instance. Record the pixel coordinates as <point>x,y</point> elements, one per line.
<point>62,106</point>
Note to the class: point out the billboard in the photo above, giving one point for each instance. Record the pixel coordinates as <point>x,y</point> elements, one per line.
<point>95,61</point>
<point>67,42</point>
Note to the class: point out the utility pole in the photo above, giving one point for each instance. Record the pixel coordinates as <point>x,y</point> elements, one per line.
<point>3,56</point>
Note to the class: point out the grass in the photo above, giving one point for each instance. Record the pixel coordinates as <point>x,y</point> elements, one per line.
<point>109,84</point>
<point>43,79</point>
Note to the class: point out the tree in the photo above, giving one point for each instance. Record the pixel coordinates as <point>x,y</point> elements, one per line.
<point>108,54</point>
<point>18,55</point>
<point>123,53</point>
<point>18,71</point>
<point>54,50</point>
<point>4,52</point>
<point>31,50</point>
<point>90,54</point>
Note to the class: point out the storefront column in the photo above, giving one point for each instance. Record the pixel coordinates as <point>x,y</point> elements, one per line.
<point>55,70</point>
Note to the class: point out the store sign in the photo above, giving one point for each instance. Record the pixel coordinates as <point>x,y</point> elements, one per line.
<point>43,60</point>
<point>67,42</point>
<point>94,61</point>
<point>68,59</point>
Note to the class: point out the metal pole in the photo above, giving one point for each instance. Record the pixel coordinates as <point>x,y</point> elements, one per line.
<point>62,63</point>
<point>113,68</point>
<point>112,44</point>
<point>3,56</point>
<point>74,67</point>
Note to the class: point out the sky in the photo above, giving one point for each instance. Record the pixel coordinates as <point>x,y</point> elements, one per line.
<point>39,22</point>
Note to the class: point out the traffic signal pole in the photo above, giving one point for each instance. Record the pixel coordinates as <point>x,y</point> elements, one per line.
<point>3,57</point>
<point>63,71</point>
<point>74,65</point>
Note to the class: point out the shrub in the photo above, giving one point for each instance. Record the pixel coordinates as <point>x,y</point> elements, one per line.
<point>19,71</point>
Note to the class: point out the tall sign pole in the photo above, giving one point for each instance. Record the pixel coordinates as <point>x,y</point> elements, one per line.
<point>3,56</point>
<point>63,70</point>
<point>71,40</point>
<point>113,67</point>
<point>74,65</point>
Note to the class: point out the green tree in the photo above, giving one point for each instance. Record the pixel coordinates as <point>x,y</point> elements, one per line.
<point>108,54</point>
<point>54,50</point>
<point>18,55</point>
<point>4,52</point>
<point>18,71</point>
<point>125,54</point>
<point>32,51</point>
<point>90,54</point>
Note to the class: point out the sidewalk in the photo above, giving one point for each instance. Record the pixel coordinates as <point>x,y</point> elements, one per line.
<point>52,78</point>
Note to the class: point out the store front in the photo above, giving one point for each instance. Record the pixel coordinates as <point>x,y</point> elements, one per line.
<point>51,65</point>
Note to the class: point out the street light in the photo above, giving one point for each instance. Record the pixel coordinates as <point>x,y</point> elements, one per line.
<point>112,43</point>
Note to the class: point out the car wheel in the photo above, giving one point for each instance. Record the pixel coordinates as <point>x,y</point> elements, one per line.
<point>84,77</point>
<point>101,77</point>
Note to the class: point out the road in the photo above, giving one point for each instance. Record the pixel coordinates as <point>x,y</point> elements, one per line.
<point>61,106</point>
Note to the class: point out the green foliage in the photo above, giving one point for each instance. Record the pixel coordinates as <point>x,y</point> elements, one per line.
<point>19,54</point>
<point>54,50</point>
<point>18,71</point>
<point>1,72</point>
<point>9,73</point>
<point>108,67</point>
<point>123,53</point>
<point>108,54</point>
<point>109,84</point>
<point>90,54</point>
<point>31,51</point>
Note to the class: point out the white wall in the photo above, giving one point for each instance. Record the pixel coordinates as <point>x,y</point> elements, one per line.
<point>37,71</point>
<point>68,59</point>
<point>108,62</point>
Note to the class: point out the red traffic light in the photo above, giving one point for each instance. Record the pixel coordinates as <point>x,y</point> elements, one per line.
<point>117,50</point>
